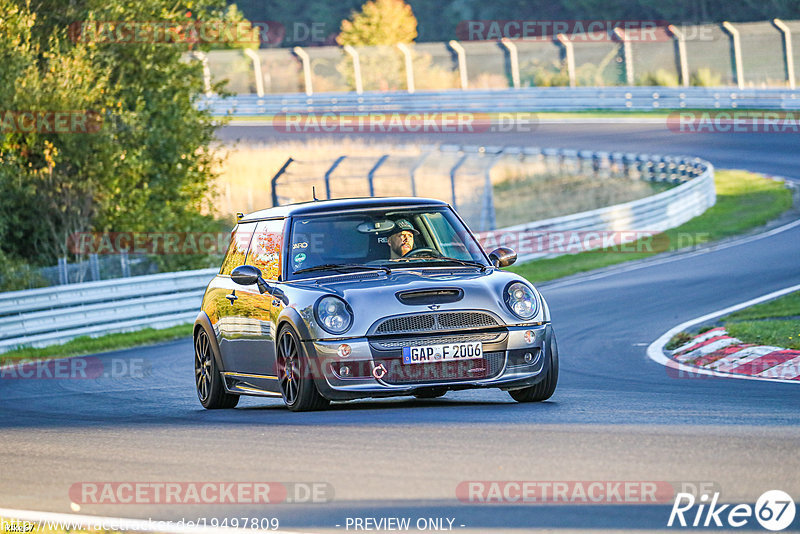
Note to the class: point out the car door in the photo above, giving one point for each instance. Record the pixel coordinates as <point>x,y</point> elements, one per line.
<point>258,312</point>
<point>224,294</point>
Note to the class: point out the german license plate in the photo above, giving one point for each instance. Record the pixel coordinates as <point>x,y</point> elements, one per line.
<point>443,353</point>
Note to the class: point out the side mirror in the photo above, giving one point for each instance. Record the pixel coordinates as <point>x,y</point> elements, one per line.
<point>502,257</point>
<point>247,275</point>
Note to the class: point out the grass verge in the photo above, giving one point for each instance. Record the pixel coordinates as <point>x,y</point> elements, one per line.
<point>775,323</point>
<point>745,201</point>
<point>90,345</point>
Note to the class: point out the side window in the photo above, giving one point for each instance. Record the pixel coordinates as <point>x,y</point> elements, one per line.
<point>237,250</point>
<point>265,248</point>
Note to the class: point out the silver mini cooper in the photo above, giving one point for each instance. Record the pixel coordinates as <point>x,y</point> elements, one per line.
<point>375,297</point>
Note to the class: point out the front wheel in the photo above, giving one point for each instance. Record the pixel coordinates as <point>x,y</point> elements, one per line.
<point>300,393</point>
<point>545,388</point>
<point>207,378</point>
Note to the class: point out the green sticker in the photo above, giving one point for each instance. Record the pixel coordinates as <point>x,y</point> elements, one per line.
<point>300,258</point>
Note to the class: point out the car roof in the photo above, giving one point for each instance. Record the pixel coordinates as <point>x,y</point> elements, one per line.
<point>340,204</point>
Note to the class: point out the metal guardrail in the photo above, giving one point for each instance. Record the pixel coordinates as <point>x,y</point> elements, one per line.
<point>49,315</point>
<point>531,99</point>
<point>46,316</point>
<point>656,213</point>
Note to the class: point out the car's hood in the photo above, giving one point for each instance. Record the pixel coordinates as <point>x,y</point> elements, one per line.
<point>373,296</point>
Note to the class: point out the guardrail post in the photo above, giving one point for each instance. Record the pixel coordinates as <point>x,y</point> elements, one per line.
<point>328,175</point>
<point>737,52</point>
<point>683,62</point>
<point>453,171</point>
<point>299,52</point>
<point>256,70</point>
<point>356,68</point>
<point>569,57</point>
<point>462,62</point>
<point>274,182</point>
<point>371,174</point>
<point>788,56</point>
<point>409,66</point>
<point>203,57</point>
<point>627,54</point>
<point>513,59</point>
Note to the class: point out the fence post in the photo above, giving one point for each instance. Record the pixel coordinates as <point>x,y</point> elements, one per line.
<point>409,66</point>
<point>274,182</point>
<point>683,63</point>
<point>462,62</point>
<point>788,55</point>
<point>256,70</point>
<point>63,272</point>
<point>371,174</point>
<point>453,171</point>
<point>328,175</point>
<point>299,52</point>
<point>203,57</point>
<point>413,171</point>
<point>513,58</point>
<point>356,67</point>
<point>737,52</point>
<point>627,54</point>
<point>488,215</point>
<point>124,264</point>
<point>94,267</point>
<point>569,54</point>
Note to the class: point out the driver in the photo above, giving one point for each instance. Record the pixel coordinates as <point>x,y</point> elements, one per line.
<point>401,242</point>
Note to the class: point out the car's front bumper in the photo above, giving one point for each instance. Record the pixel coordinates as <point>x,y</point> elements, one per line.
<point>375,371</point>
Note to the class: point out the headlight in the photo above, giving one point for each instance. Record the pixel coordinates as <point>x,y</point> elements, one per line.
<point>521,300</point>
<point>333,314</point>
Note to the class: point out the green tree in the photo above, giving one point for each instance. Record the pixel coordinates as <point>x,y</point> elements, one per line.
<point>148,167</point>
<point>380,22</point>
<point>376,29</point>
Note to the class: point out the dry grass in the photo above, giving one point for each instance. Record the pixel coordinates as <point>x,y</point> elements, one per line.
<point>244,184</point>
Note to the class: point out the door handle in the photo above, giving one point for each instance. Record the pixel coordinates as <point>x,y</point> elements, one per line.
<point>232,297</point>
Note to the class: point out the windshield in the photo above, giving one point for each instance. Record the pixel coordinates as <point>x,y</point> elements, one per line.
<point>382,239</point>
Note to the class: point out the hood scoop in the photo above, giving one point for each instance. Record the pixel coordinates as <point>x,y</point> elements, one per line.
<point>422,297</point>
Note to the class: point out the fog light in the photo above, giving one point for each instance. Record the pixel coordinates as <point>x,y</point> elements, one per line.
<point>528,357</point>
<point>530,336</point>
<point>344,351</point>
<point>344,371</point>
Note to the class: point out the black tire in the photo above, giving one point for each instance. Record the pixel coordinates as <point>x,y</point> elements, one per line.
<point>207,379</point>
<point>547,386</point>
<point>300,393</point>
<point>432,393</point>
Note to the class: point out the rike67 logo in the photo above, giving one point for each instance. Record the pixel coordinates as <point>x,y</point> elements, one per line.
<point>774,510</point>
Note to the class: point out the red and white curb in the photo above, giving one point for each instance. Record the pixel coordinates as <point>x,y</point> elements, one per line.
<point>718,351</point>
<point>715,353</point>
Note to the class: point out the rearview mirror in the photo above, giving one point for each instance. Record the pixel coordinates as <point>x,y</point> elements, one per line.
<point>502,257</point>
<point>247,275</point>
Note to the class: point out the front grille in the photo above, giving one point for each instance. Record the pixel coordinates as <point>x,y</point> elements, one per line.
<point>484,337</point>
<point>450,371</point>
<point>432,322</point>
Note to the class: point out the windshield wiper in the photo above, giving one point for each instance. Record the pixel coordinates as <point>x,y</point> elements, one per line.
<point>343,267</point>
<point>468,263</point>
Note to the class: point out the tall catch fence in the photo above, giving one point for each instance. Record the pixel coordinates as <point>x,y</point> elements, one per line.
<point>747,55</point>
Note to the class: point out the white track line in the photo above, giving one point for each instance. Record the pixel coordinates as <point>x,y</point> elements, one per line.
<point>656,349</point>
<point>122,524</point>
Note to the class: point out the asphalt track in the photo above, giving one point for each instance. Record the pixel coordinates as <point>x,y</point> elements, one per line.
<point>616,415</point>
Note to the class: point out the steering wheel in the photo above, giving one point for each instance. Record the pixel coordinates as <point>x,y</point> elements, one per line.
<point>425,250</point>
